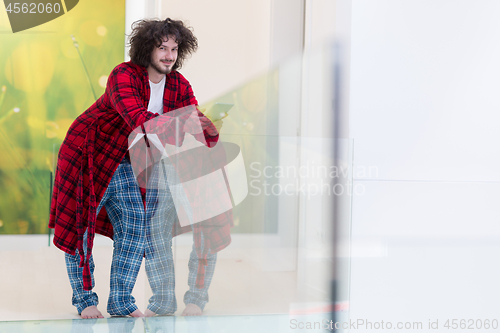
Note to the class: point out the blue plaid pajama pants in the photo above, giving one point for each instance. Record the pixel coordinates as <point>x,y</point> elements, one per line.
<point>139,233</point>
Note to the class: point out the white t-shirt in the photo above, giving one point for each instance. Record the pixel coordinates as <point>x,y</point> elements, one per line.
<point>156,98</point>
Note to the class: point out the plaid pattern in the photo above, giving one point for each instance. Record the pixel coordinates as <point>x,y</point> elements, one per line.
<point>195,295</point>
<point>81,298</point>
<point>140,233</point>
<point>99,137</point>
<point>156,138</point>
<point>159,259</point>
<point>123,203</point>
<point>161,216</point>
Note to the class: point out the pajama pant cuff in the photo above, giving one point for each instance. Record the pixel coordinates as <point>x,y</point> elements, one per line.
<point>123,311</point>
<point>196,301</point>
<point>92,301</point>
<point>158,310</point>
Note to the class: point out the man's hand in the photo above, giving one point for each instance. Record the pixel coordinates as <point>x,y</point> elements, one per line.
<point>212,129</point>
<point>218,126</point>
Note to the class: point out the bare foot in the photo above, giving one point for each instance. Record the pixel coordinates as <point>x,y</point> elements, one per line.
<point>136,313</point>
<point>192,310</point>
<point>91,312</point>
<point>149,313</point>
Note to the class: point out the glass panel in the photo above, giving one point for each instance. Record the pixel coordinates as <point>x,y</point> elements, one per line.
<point>281,253</point>
<point>109,325</point>
<point>278,176</point>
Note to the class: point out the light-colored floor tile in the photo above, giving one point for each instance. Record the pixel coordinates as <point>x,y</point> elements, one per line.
<point>34,284</point>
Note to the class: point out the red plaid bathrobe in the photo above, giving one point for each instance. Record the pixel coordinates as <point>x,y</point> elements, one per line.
<point>94,146</point>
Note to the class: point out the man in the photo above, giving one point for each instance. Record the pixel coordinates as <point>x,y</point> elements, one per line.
<point>95,190</point>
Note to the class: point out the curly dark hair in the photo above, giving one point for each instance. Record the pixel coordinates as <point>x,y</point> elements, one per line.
<point>148,34</point>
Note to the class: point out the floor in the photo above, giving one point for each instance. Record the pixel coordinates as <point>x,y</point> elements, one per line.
<point>36,295</point>
<point>210,324</point>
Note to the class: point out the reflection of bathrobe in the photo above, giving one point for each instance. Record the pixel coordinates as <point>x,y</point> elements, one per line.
<point>95,144</point>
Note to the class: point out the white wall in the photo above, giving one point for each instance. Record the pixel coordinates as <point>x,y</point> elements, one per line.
<point>137,10</point>
<point>234,42</point>
<point>424,110</point>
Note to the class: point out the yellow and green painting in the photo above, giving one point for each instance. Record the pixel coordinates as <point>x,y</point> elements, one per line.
<point>49,75</point>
